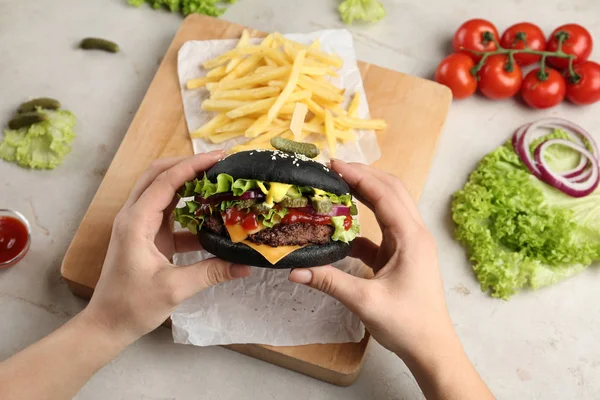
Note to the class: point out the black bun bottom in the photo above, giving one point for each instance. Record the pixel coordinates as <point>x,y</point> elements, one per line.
<point>239,253</point>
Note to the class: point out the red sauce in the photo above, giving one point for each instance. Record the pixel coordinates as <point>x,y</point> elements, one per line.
<point>293,217</point>
<point>13,238</point>
<point>250,223</point>
<point>348,222</point>
<point>235,216</point>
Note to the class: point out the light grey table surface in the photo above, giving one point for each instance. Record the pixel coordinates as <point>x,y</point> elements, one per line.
<point>540,345</point>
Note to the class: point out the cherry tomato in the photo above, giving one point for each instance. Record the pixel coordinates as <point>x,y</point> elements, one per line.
<point>543,94</point>
<point>520,34</point>
<point>578,42</point>
<point>455,72</point>
<point>469,36</point>
<point>587,89</point>
<point>496,82</point>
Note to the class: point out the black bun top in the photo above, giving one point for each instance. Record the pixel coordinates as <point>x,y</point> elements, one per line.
<point>277,166</point>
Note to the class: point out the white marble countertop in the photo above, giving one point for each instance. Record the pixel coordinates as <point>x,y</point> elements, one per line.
<point>541,344</point>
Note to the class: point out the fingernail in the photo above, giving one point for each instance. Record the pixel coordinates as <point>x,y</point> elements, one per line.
<point>337,160</point>
<point>300,275</point>
<point>239,271</point>
<point>216,152</point>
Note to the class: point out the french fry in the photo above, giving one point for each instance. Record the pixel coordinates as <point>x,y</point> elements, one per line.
<point>234,62</point>
<point>237,125</point>
<point>244,147</point>
<point>325,84</point>
<point>197,83</point>
<point>211,126</point>
<point>330,133</point>
<point>277,84</point>
<point>251,108</point>
<point>314,108</point>
<point>262,123</point>
<point>315,71</point>
<point>338,110</point>
<point>232,54</point>
<point>217,73</point>
<point>289,87</point>
<point>333,60</point>
<point>354,105</point>
<point>319,90</point>
<point>258,126</point>
<point>254,79</point>
<point>222,137</point>
<point>223,105</point>
<point>287,111</point>
<point>355,123</point>
<point>245,67</point>
<point>247,94</point>
<point>298,118</point>
<point>269,62</point>
<point>315,45</point>
<point>269,135</point>
<point>343,135</point>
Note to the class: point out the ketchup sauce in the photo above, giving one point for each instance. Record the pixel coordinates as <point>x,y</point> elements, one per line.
<point>14,238</point>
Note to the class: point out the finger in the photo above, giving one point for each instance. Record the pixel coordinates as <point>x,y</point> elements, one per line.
<point>186,241</point>
<point>155,169</point>
<point>196,277</point>
<point>365,250</point>
<point>332,281</point>
<point>159,195</point>
<point>376,194</point>
<point>398,187</point>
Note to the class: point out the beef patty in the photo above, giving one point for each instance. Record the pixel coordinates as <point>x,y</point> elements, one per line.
<point>280,235</point>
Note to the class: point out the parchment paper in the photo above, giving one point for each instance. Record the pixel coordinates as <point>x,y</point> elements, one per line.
<point>266,308</point>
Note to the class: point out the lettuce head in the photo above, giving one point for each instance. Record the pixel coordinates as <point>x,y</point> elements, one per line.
<point>43,145</point>
<point>520,232</point>
<point>361,10</point>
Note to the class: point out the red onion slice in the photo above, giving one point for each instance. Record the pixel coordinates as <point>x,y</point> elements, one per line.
<point>560,182</point>
<point>528,133</point>
<point>336,211</point>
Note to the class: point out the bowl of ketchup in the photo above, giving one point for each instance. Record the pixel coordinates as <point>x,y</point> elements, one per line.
<point>15,237</point>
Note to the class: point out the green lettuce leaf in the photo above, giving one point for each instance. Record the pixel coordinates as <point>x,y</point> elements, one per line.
<point>273,217</point>
<point>186,7</point>
<point>363,10</point>
<point>187,219</point>
<point>520,232</point>
<point>43,145</point>
<point>341,234</point>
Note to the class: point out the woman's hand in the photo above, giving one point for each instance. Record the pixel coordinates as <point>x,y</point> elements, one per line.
<point>403,305</point>
<point>139,286</point>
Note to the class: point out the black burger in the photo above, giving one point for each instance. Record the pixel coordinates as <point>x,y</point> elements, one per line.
<point>272,209</point>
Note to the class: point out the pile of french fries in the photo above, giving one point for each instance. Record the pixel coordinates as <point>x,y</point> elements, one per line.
<point>277,88</point>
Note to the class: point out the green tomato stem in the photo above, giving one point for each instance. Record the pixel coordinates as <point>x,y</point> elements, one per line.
<point>574,77</point>
<point>543,74</point>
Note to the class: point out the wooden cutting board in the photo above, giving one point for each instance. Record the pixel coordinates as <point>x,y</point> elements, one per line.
<point>415,110</point>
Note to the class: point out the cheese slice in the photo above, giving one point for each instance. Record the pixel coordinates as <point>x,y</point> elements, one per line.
<point>277,192</point>
<point>238,234</point>
<point>300,111</point>
<point>272,254</point>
